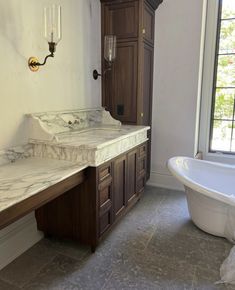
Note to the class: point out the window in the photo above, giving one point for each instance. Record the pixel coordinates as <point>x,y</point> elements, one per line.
<point>222,125</point>
<point>216,131</point>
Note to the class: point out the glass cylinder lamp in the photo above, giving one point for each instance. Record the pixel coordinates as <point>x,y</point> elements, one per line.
<point>52,23</point>
<point>110,50</point>
<point>110,44</point>
<point>52,34</point>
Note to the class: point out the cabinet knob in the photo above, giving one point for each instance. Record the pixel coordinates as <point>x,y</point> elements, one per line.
<point>143,30</point>
<point>141,114</point>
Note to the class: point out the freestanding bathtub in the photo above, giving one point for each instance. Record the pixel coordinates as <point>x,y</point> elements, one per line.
<point>210,191</point>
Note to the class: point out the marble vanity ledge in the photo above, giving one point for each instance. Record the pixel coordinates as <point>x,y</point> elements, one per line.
<point>27,177</point>
<point>92,157</point>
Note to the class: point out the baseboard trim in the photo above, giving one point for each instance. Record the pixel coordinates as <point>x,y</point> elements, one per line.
<point>18,238</point>
<point>165,181</point>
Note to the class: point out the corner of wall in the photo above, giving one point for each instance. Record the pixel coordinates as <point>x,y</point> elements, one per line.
<point>18,238</point>
<point>164,181</point>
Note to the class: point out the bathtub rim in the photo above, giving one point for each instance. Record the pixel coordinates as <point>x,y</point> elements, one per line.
<point>189,182</point>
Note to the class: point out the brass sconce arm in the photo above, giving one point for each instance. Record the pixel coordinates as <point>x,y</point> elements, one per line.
<point>33,62</point>
<point>52,34</point>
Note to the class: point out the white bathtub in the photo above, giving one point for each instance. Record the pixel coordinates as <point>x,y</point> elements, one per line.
<point>210,191</point>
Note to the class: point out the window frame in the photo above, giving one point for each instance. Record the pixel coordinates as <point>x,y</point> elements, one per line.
<point>211,42</point>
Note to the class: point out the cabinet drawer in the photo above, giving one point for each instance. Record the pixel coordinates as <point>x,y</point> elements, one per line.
<point>141,166</point>
<point>105,222</point>
<point>141,184</point>
<point>104,172</point>
<point>142,150</point>
<point>105,195</point>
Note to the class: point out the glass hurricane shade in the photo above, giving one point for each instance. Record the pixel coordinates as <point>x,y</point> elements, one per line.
<point>52,22</point>
<point>110,48</point>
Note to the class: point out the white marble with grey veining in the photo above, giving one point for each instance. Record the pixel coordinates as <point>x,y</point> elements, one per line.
<point>10,155</point>
<point>46,126</point>
<point>57,151</point>
<point>93,136</point>
<point>27,177</point>
<point>94,146</point>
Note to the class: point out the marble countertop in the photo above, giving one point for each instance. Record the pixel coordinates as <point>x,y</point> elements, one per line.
<point>61,145</point>
<point>26,177</point>
<point>89,135</point>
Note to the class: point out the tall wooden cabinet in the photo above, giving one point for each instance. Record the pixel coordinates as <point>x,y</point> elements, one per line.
<point>127,87</point>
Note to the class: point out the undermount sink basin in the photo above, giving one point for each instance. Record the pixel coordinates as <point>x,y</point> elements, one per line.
<point>94,132</point>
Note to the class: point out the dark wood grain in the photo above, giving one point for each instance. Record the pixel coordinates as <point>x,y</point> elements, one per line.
<point>132,172</point>
<point>120,183</point>
<point>89,210</point>
<point>128,87</point>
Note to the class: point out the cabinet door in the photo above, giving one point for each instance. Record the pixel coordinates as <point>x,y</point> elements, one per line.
<point>148,25</point>
<point>132,169</point>
<point>123,83</point>
<point>121,19</point>
<point>147,84</point>
<point>119,185</point>
<point>141,175</point>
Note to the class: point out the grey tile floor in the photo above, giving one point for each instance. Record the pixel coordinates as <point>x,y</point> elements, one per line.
<point>155,246</point>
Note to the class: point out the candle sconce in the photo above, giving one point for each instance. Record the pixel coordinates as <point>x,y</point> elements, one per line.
<point>110,47</point>
<point>52,22</point>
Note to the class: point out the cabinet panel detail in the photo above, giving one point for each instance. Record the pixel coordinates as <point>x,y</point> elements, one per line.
<point>119,185</point>
<point>123,90</point>
<point>142,166</point>
<point>141,184</point>
<point>122,19</point>
<point>104,195</point>
<point>148,24</point>
<point>131,174</point>
<point>104,172</point>
<point>104,222</point>
<point>147,84</point>
<point>142,150</point>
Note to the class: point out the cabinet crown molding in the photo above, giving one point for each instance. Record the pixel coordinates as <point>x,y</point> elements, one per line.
<point>153,3</point>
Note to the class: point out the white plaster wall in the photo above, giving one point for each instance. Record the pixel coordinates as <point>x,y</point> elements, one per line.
<point>176,70</point>
<point>65,82</point>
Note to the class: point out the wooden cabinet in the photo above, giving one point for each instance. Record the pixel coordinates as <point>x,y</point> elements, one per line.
<point>119,185</point>
<point>124,183</point>
<point>87,211</point>
<point>127,87</point>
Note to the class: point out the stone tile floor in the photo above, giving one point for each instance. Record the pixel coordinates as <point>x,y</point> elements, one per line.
<point>155,246</point>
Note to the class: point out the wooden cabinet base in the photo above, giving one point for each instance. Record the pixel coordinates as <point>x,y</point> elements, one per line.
<point>87,212</point>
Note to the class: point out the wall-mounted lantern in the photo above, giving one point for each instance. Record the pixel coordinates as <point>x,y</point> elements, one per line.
<point>52,34</point>
<point>110,47</point>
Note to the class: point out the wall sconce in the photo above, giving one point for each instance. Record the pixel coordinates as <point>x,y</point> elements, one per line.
<point>110,47</point>
<point>52,22</point>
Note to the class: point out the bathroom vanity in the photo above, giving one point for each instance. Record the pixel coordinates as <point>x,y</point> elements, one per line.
<point>84,171</point>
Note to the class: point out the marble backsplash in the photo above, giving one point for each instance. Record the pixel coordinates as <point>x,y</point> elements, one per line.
<point>45,126</point>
